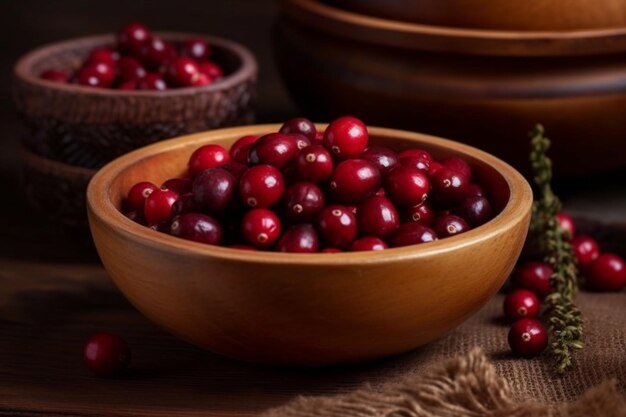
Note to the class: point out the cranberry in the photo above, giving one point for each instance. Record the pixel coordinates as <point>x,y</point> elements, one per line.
<point>275,149</point>
<point>236,169</point>
<point>354,180</point>
<point>214,190</point>
<point>301,238</point>
<point>422,213</point>
<point>449,187</point>
<point>331,250</point>
<point>158,206</point>
<point>136,216</point>
<point>567,223</point>
<point>106,354</point>
<point>384,158</point>
<point>299,125</point>
<point>411,234</point>
<point>301,140</point>
<point>161,227</point>
<point>337,226</point>
<point>474,190</point>
<point>528,338</point>
<point>153,82</point>
<point>211,70</point>
<point>302,202</point>
<point>433,167</point>
<point>156,53</point>
<point>131,37</point>
<point>186,203</point>
<point>106,55</point>
<point>179,185</point>
<point>521,304</point>
<point>607,273</point>
<point>458,165</point>
<point>314,164</point>
<point>57,76</point>
<point>128,85</point>
<point>202,80</point>
<point>138,193</point>
<point>260,227</point>
<point>416,162</point>
<point>534,276</point>
<point>367,243</point>
<point>239,150</point>
<point>130,69</point>
<point>476,210</point>
<point>346,137</point>
<point>92,77</point>
<point>586,249</point>
<point>261,186</point>
<point>197,227</point>
<point>416,153</point>
<point>377,216</point>
<point>196,48</point>
<point>407,186</point>
<point>183,71</point>
<point>207,156</point>
<point>449,225</point>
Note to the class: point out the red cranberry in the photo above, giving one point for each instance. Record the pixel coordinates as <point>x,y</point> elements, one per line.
<point>186,203</point>
<point>302,202</point>
<point>57,76</point>
<point>384,158</point>
<point>138,193</point>
<point>377,216</point>
<point>214,190</point>
<point>367,243</point>
<point>521,304</point>
<point>337,226</point>
<point>197,227</point>
<point>161,227</point>
<point>606,273</point>
<point>158,207</point>
<point>131,37</point>
<point>106,354</point>
<point>301,140</point>
<point>331,250</point>
<point>450,225</point>
<point>261,186</point>
<point>152,82</point>
<point>183,71</point>
<point>416,153</point>
<point>433,167</point>
<point>346,137</point>
<point>128,85</point>
<point>106,55</point>
<point>202,80</point>
<point>449,187</point>
<point>179,185</point>
<point>586,249</point>
<point>207,156</point>
<point>130,69</point>
<point>275,149</point>
<point>314,164</point>
<point>299,125</point>
<point>476,210</point>
<point>458,165</point>
<point>528,338</point>
<point>240,149</point>
<point>196,48</point>
<point>136,216</point>
<point>354,180</point>
<point>301,238</point>
<point>474,190</point>
<point>211,70</point>
<point>260,227</point>
<point>416,162</point>
<point>567,223</point>
<point>534,276</point>
<point>407,186</point>
<point>92,77</point>
<point>156,53</point>
<point>422,213</point>
<point>411,234</point>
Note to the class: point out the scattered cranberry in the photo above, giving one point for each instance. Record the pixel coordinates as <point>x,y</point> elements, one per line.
<point>377,216</point>
<point>606,273</point>
<point>158,206</point>
<point>196,48</point>
<point>301,238</point>
<point>354,180</point>
<point>214,190</point>
<point>57,76</point>
<point>138,193</point>
<point>106,354</point>
<point>411,234</point>
<point>534,276</point>
<point>314,164</point>
<point>261,186</point>
<point>197,227</point>
<point>367,243</point>
<point>407,186</point>
<point>346,137</point>
<point>302,202</point>
<point>275,149</point>
<point>337,226</point>
<point>528,338</point>
<point>586,249</point>
<point>567,223</point>
<point>299,125</point>
<point>521,304</point>
<point>240,149</point>
<point>450,225</point>
<point>207,156</point>
<point>384,158</point>
<point>260,227</point>
<point>152,82</point>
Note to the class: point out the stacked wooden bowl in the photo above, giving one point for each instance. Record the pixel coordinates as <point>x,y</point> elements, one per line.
<point>480,71</point>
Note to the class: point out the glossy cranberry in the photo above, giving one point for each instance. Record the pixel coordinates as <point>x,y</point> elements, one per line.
<point>240,149</point>
<point>158,206</point>
<point>236,169</point>
<point>261,186</point>
<point>276,149</point>
<point>214,190</point>
<point>534,276</point>
<point>138,193</point>
<point>433,167</point>
<point>128,85</point>
<point>131,37</point>
<point>354,180</point>
<point>152,82</point>
<point>130,69</point>
<point>301,238</point>
<point>346,137</point>
<point>106,354</point>
<point>299,125</point>
<point>567,223</point>
<point>156,53</point>
<point>377,216</point>
<point>474,190</point>
<point>207,156</point>
<point>449,187</point>
<point>196,48</point>
<point>92,77</point>
<point>211,70</point>
<point>411,234</point>
<point>416,162</point>
<point>106,55</point>
<point>260,227</point>
<point>475,210</point>
<point>337,226</point>
<point>57,76</point>
<point>202,80</point>
<point>136,216</point>
<point>407,186</point>
<point>458,165</point>
<point>367,243</point>
<point>422,213</point>
<point>301,140</point>
<point>183,71</point>
<point>586,249</point>
<point>331,250</point>
<point>186,203</point>
<point>528,338</point>
<point>416,153</point>
<point>606,273</point>
<point>449,225</point>
<point>384,158</point>
<point>314,163</point>
<point>302,202</point>
<point>179,185</point>
<point>521,304</point>
<point>197,227</point>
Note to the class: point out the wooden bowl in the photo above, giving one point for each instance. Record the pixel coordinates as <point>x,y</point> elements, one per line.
<point>305,309</point>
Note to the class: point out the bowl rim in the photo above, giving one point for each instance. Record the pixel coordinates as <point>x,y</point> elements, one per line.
<point>247,69</point>
<point>101,207</point>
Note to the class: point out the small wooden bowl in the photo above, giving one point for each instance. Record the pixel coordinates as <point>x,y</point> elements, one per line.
<point>306,309</point>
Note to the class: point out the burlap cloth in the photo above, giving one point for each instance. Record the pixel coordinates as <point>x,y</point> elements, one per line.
<point>471,373</point>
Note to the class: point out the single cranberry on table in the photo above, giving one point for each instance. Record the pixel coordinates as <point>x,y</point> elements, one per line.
<point>407,186</point>
<point>567,223</point>
<point>367,243</point>
<point>214,190</point>
<point>261,186</point>
<point>55,75</point>
<point>377,216</point>
<point>300,125</point>
<point>152,82</point>
<point>411,234</point>
<point>207,156</point>
<point>131,37</point>
<point>106,354</point>
<point>449,187</point>
<point>586,249</point>
<point>346,137</point>
<point>301,238</point>
<point>196,48</point>
<point>211,70</point>
<point>422,213</point>
<point>197,227</point>
<point>260,227</point>
<point>384,158</point>
<point>314,163</point>
<point>183,71</point>
<point>337,226</point>
<point>240,149</point>
<point>606,273</point>
<point>354,180</point>
<point>449,225</point>
<point>179,185</point>
<point>276,149</point>
<point>158,206</point>
<point>520,304</point>
<point>534,276</point>
<point>528,338</point>
<point>138,193</point>
<point>130,69</point>
<point>302,202</point>
<point>475,210</point>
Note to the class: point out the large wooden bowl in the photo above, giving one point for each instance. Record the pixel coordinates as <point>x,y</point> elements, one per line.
<point>305,308</point>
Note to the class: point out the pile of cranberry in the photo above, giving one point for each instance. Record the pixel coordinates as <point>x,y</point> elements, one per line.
<point>143,61</point>
<point>300,190</point>
<point>602,272</point>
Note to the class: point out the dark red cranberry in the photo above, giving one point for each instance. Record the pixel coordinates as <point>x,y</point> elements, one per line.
<point>236,169</point>
<point>476,210</point>
<point>346,137</point>
<point>384,158</point>
<point>197,227</point>
<point>136,216</point>
<point>131,37</point>
<point>106,55</point>
<point>186,203</point>
<point>521,304</point>
<point>416,162</point>
<point>377,216</point>
<point>586,249</point>
<point>474,190</point>
<point>211,70</point>
<point>202,80</point>
<point>57,76</point>
<point>106,354</point>
<point>354,180</point>
<point>161,227</point>
<point>128,85</point>
<point>156,53</point>
<point>179,185</point>
<point>331,250</point>
<point>260,227</point>
<point>299,125</point>
<point>196,48</point>
<point>301,140</point>
<point>528,338</point>
<point>449,225</point>
<point>567,223</point>
<point>314,164</point>
<point>458,165</point>
<point>301,238</point>
<point>130,69</point>
<point>411,234</point>
<point>214,190</point>
<point>449,187</point>
<point>261,186</point>
<point>158,206</point>
<point>302,202</point>
<point>606,273</point>
<point>274,149</point>
<point>433,167</point>
<point>91,77</point>
<point>152,82</point>
<point>407,186</point>
<point>422,213</point>
<point>240,149</point>
<point>534,276</point>
<point>416,153</point>
<point>138,193</point>
<point>337,226</point>
<point>207,156</point>
<point>367,243</point>
<point>183,71</point>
